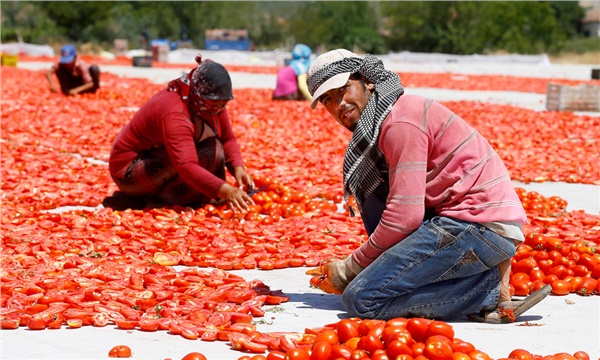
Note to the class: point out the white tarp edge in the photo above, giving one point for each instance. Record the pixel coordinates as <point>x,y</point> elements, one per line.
<point>27,49</point>
<point>276,58</point>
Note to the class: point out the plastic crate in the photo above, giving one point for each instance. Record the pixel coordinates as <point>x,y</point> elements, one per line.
<point>142,61</point>
<point>573,98</point>
<point>10,59</point>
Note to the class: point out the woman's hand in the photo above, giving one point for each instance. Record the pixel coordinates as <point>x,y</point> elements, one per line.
<point>243,178</point>
<point>237,199</point>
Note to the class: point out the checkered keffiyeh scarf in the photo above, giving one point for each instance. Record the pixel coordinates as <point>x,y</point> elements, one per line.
<point>363,163</point>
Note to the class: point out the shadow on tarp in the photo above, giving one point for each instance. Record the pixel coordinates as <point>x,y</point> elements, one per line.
<point>316,301</point>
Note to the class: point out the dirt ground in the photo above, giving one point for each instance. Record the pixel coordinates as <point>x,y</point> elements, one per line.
<point>572,58</point>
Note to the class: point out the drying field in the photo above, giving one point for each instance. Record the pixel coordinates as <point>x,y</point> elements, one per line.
<point>169,281</point>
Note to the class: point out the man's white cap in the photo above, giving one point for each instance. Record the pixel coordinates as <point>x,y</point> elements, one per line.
<point>335,81</point>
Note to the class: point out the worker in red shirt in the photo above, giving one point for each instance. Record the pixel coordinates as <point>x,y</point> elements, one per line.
<point>177,146</point>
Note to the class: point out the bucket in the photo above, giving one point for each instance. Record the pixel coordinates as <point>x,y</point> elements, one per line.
<point>142,61</point>
<point>10,59</point>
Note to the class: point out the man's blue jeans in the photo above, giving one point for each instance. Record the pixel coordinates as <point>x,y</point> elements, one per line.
<point>446,269</point>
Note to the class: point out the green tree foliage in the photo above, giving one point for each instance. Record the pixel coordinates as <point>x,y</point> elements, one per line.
<point>568,15</point>
<point>333,24</point>
<point>82,20</point>
<point>480,27</point>
<point>27,22</point>
<point>455,27</point>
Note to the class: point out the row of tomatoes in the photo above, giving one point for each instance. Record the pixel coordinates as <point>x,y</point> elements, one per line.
<point>275,201</point>
<point>562,149</point>
<point>397,339</point>
<point>193,303</point>
<point>426,80</point>
<point>201,238</point>
<point>565,255</point>
<point>567,267</point>
<point>360,339</point>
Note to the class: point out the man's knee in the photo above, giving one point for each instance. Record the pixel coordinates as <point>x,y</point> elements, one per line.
<point>355,305</point>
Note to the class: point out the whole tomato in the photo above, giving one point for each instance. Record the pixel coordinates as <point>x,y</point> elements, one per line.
<point>347,329</point>
<point>340,352</point>
<point>380,355</point>
<point>365,326</point>
<point>321,350</point>
<point>536,274</point>
<point>391,333</point>
<point>520,354</point>
<point>462,346</point>
<point>561,287</point>
<point>404,357</point>
<point>479,355</point>
<point>359,354</point>
<point>329,336</point>
<point>437,327</point>
<point>352,343</point>
<point>536,240</point>
<point>194,356</point>
<point>417,328</point>
<point>397,347</point>
<point>524,265</point>
<point>523,287</point>
<point>397,322</point>
<point>587,260</point>
<point>370,343</point>
<point>461,356</point>
<point>587,286</point>
<point>297,354</point>
<point>418,348</point>
<point>438,347</point>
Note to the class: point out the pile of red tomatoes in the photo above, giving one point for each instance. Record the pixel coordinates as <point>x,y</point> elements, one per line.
<point>395,339</point>
<point>560,249</point>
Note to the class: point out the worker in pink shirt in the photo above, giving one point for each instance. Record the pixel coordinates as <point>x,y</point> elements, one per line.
<point>436,200</point>
<point>291,79</point>
<point>75,76</point>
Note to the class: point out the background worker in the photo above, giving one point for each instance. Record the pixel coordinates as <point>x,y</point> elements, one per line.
<point>442,215</point>
<point>291,79</point>
<point>75,76</point>
<point>177,146</point>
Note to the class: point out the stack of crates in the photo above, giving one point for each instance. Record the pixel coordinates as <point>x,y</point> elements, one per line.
<point>583,97</point>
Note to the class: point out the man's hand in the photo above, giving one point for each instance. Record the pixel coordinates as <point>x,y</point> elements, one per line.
<point>334,276</point>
